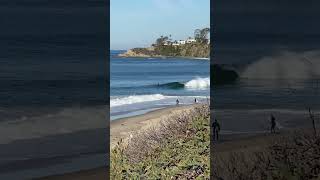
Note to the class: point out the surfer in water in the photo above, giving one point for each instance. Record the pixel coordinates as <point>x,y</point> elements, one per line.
<point>273,124</point>
<point>177,102</point>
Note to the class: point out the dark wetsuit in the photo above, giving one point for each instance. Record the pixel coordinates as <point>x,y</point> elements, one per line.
<point>216,129</point>
<point>273,124</point>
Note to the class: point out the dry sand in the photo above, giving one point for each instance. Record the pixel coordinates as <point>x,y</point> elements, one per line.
<point>123,128</point>
<point>233,143</point>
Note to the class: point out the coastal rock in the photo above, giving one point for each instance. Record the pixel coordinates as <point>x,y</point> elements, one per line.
<point>195,50</point>
<point>132,53</point>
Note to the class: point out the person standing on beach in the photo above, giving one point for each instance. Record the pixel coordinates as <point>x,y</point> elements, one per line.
<point>273,124</point>
<point>195,100</point>
<point>216,129</point>
<point>177,102</point>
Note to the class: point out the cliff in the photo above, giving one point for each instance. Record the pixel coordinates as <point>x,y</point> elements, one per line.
<point>135,53</point>
<point>187,50</point>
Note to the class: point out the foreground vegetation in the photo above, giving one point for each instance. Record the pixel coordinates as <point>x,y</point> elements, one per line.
<point>294,156</point>
<point>177,149</point>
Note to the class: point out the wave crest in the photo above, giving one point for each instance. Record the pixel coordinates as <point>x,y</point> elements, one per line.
<point>198,83</point>
<point>173,85</point>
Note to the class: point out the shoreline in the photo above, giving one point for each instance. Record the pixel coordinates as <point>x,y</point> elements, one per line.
<point>164,57</point>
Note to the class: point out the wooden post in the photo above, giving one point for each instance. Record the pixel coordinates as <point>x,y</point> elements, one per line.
<point>313,122</point>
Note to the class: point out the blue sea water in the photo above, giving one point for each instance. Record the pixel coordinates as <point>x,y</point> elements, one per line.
<point>139,85</point>
<point>52,87</point>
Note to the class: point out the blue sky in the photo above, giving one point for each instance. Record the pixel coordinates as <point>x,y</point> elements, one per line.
<point>137,23</point>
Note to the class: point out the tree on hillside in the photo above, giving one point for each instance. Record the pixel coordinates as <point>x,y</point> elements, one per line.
<point>204,34</point>
<point>160,41</point>
<point>201,35</point>
<point>197,35</point>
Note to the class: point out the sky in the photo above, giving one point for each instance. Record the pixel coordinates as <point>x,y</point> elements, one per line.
<point>138,23</point>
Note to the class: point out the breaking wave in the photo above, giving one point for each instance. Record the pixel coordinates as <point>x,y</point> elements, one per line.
<point>173,85</point>
<point>135,99</point>
<point>288,65</point>
<point>198,83</point>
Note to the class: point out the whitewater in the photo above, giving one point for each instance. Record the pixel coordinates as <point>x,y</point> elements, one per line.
<point>140,85</point>
<point>197,83</point>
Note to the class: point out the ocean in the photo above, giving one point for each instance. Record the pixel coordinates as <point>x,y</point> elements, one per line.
<point>140,85</point>
<point>278,75</point>
<point>52,88</point>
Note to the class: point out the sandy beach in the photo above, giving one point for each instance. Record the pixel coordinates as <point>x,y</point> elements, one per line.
<point>123,128</point>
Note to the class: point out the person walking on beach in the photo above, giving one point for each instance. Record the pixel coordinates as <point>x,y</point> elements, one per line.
<point>177,102</point>
<point>216,129</point>
<point>273,124</point>
<point>195,100</point>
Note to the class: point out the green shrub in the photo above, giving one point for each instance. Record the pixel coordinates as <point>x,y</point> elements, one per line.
<point>178,149</point>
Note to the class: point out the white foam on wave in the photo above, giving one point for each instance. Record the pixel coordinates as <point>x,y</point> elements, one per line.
<point>287,65</point>
<point>198,83</point>
<point>140,104</point>
<point>202,58</point>
<point>67,120</point>
<point>135,99</point>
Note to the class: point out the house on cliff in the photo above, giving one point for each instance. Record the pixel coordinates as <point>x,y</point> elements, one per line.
<point>190,40</point>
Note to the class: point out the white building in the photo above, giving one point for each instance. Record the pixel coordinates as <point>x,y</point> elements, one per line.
<point>182,42</point>
<point>175,43</point>
<point>190,40</point>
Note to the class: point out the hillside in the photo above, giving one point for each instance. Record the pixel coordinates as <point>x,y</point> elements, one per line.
<point>199,50</point>
<point>165,46</point>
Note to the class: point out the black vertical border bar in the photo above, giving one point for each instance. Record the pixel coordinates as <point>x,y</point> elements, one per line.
<point>212,35</point>
<point>107,84</point>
